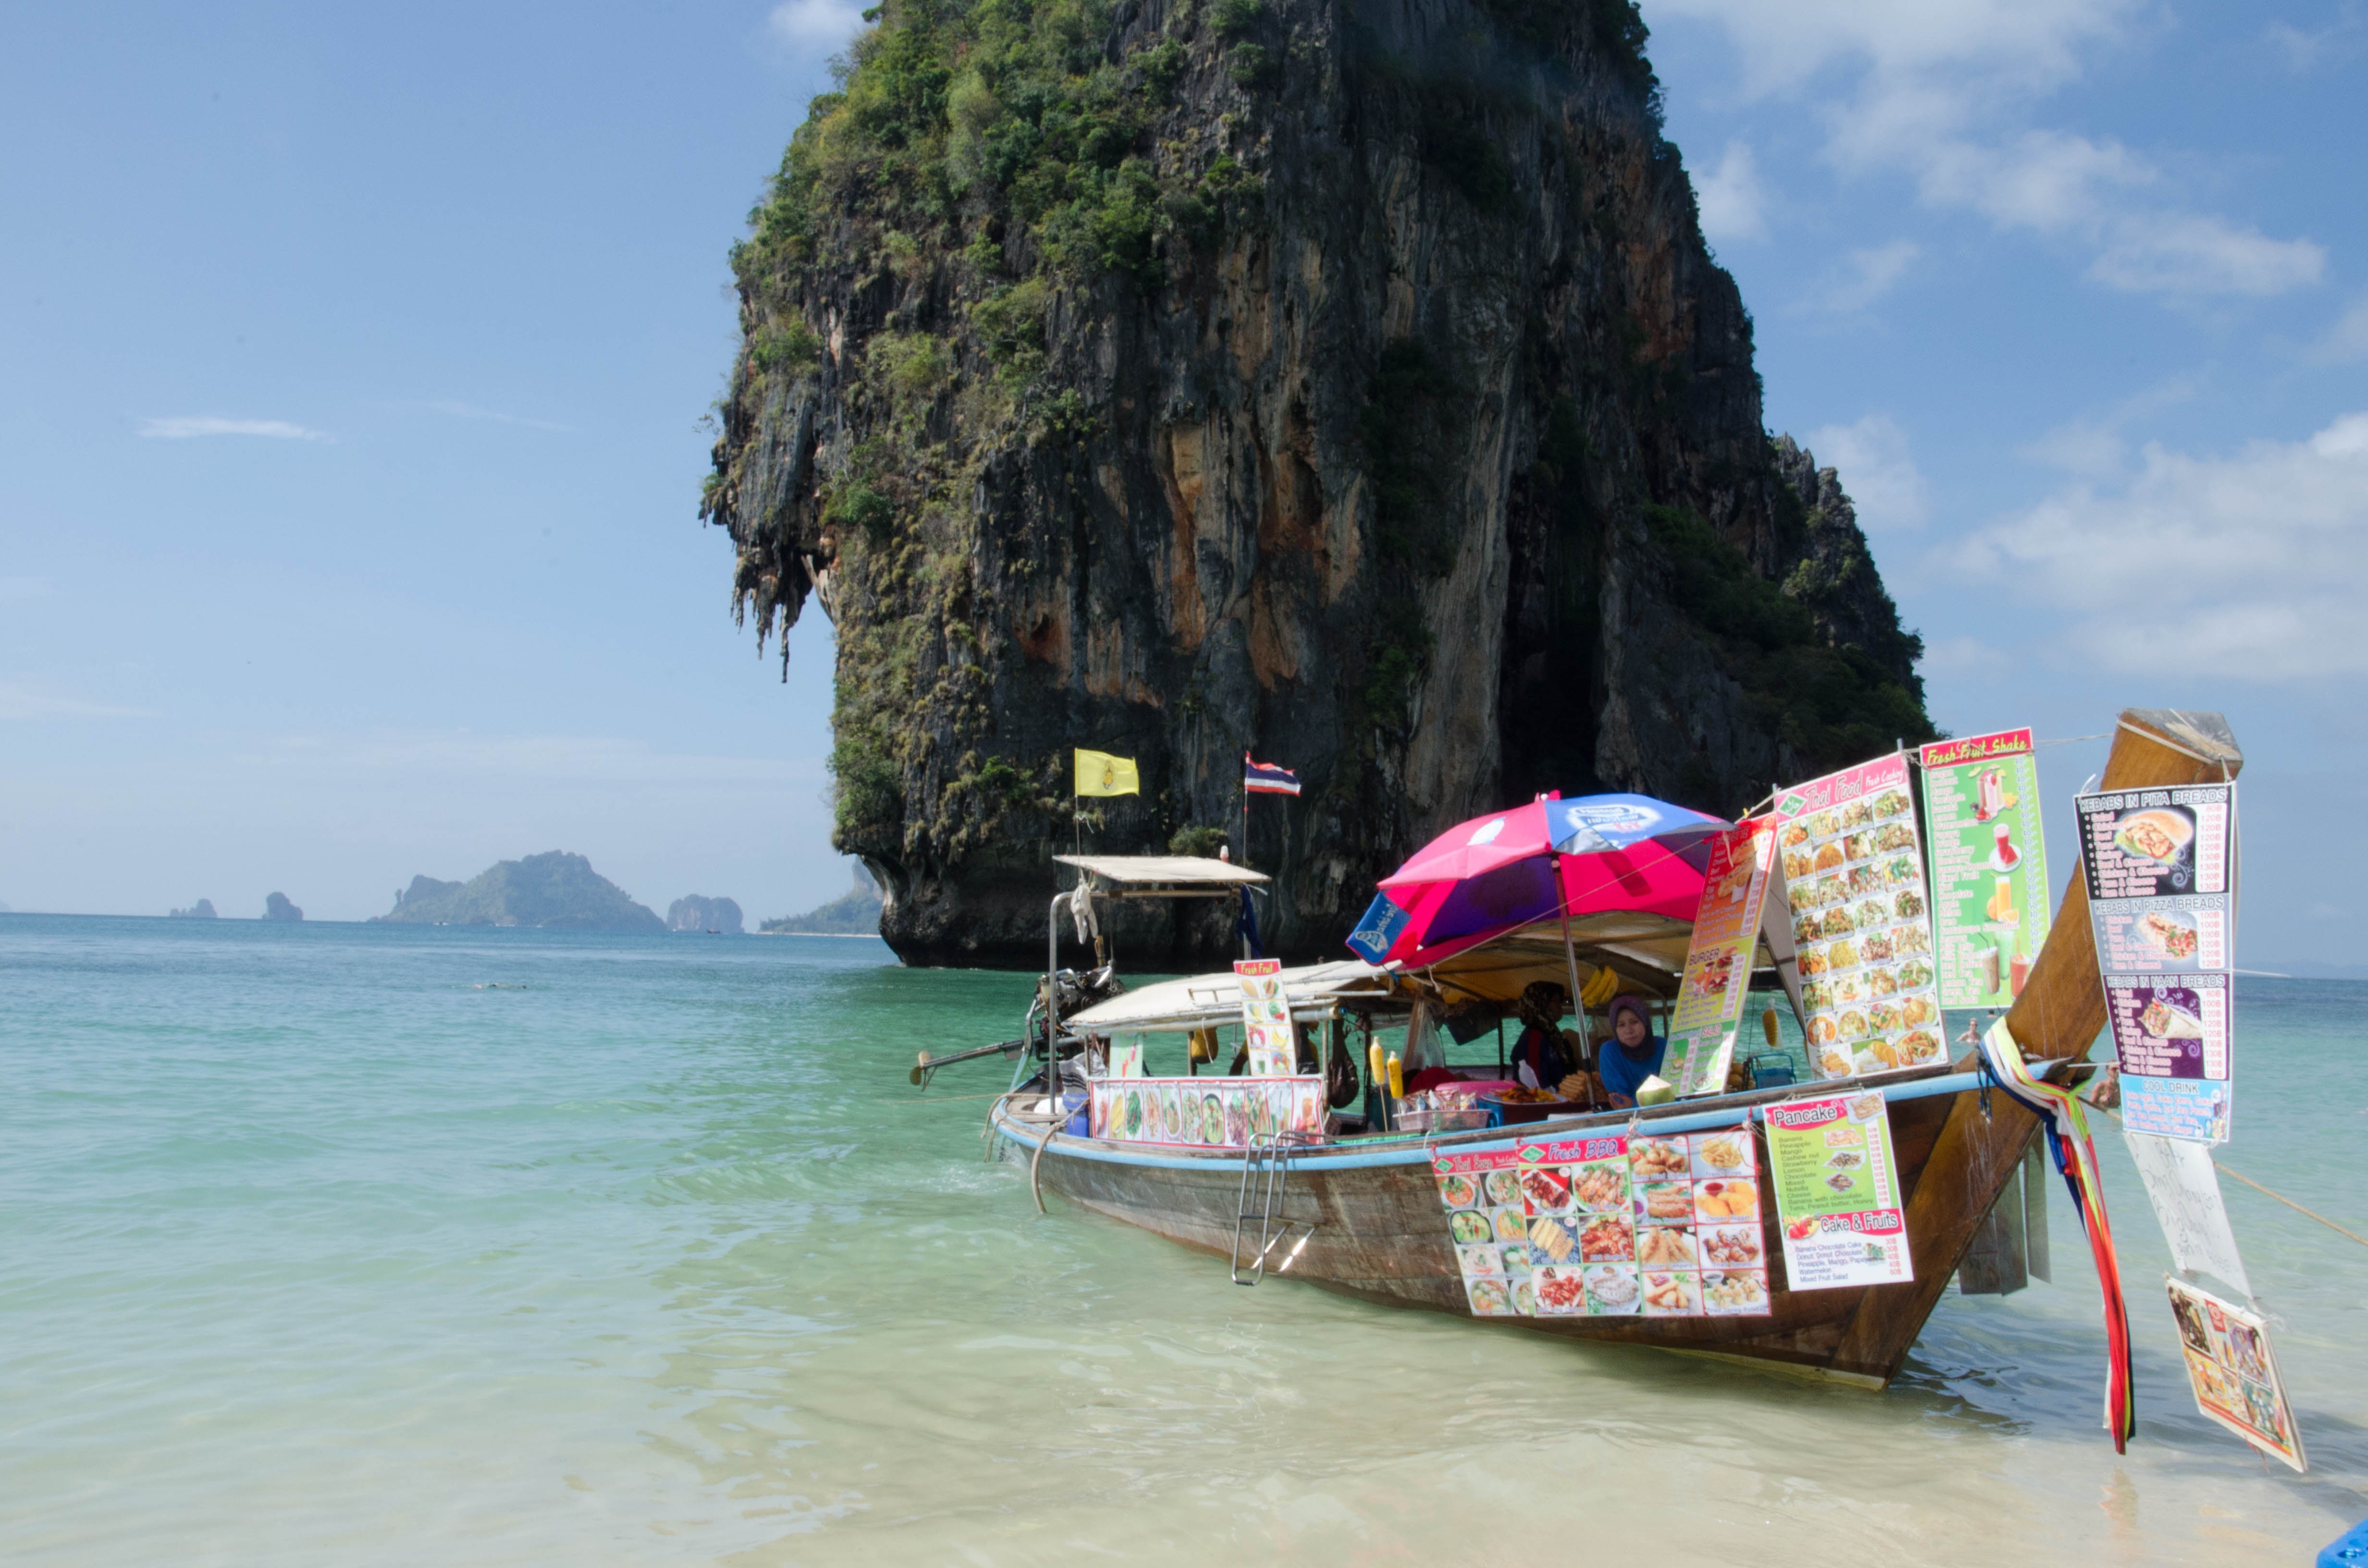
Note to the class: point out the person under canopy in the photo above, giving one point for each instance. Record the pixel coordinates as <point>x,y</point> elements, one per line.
<point>1633,1054</point>
<point>1541,1057</point>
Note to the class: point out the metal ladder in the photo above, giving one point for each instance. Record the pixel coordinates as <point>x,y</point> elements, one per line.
<point>1265,1159</point>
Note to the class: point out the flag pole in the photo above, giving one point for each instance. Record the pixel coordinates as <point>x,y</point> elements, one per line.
<point>1246,811</point>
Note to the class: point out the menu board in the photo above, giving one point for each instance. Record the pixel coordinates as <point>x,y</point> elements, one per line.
<point>1718,959</point>
<point>1266,1018</point>
<point>1210,1112</point>
<point>1988,864</point>
<point>2233,1371</point>
<point>1635,1225</point>
<point>1489,1229</point>
<point>2171,1034</point>
<point>2158,866</point>
<point>1854,884</point>
<point>1838,1192</point>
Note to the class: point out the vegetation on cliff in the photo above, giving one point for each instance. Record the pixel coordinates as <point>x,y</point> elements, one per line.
<point>1341,380</point>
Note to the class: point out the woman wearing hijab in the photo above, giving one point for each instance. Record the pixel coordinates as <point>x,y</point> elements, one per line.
<point>1633,1052</point>
<point>1542,1059</point>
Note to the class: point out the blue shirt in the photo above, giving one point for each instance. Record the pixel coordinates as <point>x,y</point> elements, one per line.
<point>1622,1070</point>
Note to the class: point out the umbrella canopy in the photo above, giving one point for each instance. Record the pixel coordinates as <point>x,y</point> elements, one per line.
<point>1494,873</point>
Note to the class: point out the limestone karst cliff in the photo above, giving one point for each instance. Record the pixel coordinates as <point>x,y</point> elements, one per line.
<point>1342,380</point>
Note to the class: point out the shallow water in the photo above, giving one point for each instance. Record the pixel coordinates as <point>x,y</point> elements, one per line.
<point>315,1245</point>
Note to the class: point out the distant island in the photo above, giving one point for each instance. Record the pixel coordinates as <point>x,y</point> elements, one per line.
<point>201,910</point>
<point>556,891</point>
<point>276,907</point>
<point>852,913</point>
<point>700,913</point>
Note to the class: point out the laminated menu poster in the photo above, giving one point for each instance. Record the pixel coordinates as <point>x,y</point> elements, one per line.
<point>1628,1226</point>
<point>2171,1037</point>
<point>2233,1371</point>
<point>1489,1228</point>
<point>1211,1112</point>
<point>1988,864</point>
<point>2157,843</point>
<point>1718,959</point>
<point>1862,926</point>
<point>1838,1192</point>
<point>2160,865</point>
<point>1266,1018</point>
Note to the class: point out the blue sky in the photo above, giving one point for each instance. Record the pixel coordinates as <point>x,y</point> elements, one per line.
<point>350,434</point>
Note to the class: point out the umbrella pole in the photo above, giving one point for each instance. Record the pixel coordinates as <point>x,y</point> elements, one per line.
<point>1569,951</point>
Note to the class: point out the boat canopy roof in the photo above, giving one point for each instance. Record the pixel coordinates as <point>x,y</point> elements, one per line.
<point>1203,1001</point>
<point>1647,950</point>
<point>1172,875</point>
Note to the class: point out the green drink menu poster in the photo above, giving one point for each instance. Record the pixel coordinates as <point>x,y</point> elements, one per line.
<point>1989,866</point>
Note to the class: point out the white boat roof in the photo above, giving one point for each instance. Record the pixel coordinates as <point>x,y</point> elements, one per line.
<point>1164,870</point>
<point>1200,1001</point>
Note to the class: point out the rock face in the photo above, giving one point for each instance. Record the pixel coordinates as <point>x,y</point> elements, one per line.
<point>556,891</point>
<point>1347,383</point>
<point>201,910</point>
<point>855,912</point>
<point>698,913</point>
<point>276,907</point>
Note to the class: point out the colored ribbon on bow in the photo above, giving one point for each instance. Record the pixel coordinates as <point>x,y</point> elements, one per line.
<point>2066,1126</point>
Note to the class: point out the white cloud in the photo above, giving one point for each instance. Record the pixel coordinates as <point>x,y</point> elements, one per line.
<point>2305,50</point>
<point>492,416</point>
<point>1862,276</point>
<point>1940,92</point>
<point>1962,656</point>
<point>19,699</point>
<point>1875,467</point>
<point>1733,205</point>
<point>2092,446</point>
<point>2187,256</point>
<point>2348,339</point>
<point>2250,565</point>
<point>181,428</point>
<point>815,24</point>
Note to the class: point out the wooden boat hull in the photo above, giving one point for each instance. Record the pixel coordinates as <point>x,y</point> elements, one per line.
<point>1376,1231</point>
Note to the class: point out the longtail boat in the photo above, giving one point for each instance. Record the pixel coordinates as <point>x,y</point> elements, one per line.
<point>1361,1215</point>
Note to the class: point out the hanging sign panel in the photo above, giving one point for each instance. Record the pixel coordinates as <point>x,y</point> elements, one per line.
<point>1628,1226</point>
<point>2159,865</point>
<point>1718,976</point>
<point>2186,1197</point>
<point>1489,1228</point>
<point>1224,1113</point>
<point>2171,1037</point>
<point>1266,1018</point>
<point>1988,863</point>
<point>1862,922</point>
<point>1611,1226</point>
<point>2233,1371</point>
<point>1838,1191</point>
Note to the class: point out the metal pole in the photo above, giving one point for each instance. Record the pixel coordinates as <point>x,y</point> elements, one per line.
<point>1053,1015</point>
<point>1569,951</point>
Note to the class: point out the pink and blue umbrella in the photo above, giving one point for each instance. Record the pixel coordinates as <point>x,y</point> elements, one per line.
<point>1495,873</point>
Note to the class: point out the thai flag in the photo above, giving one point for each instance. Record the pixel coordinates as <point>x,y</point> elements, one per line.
<point>1266,778</point>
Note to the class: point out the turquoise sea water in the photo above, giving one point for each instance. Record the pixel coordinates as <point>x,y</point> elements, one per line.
<point>335,1244</point>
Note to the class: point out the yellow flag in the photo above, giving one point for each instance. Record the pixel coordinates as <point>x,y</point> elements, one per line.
<point>1099,773</point>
